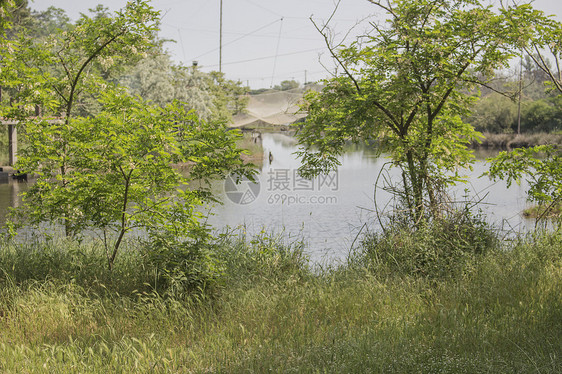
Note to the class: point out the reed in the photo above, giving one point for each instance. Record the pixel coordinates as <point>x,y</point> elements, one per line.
<point>62,312</point>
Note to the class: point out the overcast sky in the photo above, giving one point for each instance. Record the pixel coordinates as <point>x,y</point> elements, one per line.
<point>264,41</point>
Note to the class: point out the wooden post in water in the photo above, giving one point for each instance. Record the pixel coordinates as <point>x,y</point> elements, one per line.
<point>12,144</point>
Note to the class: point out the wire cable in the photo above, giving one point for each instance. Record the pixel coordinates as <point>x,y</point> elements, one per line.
<point>268,57</point>
<point>237,39</point>
<point>276,52</point>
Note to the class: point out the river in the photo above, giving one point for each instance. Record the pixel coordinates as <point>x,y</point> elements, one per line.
<point>328,212</point>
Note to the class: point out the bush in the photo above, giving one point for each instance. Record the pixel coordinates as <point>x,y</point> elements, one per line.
<point>439,248</point>
<point>63,261</point>
<point>264,257</point>
<point>183,267</point>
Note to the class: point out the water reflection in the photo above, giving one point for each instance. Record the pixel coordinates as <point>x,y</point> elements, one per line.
<point>329,213</point>
<point>10,196</point>
<point>330,218</point>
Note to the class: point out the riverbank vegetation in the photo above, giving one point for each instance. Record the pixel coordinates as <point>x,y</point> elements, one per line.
<point>434,290</point>
<point>256,305</point>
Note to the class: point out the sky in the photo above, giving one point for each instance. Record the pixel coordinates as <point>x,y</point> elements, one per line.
<point>264,41</point>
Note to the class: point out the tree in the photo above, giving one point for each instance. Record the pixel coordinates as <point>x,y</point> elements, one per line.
<point>287,85</point>
<point>152,78</point>
<point>404,83</point>
<point>120,169</point>
<point>540,41</point>
<point>63,64</point>
<point>231,97</point>
<point>494,113</point>
<point>542,166</point>
<point>212,96</point>
<point>58,72</point>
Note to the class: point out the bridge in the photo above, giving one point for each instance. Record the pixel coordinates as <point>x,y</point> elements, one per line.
<point>270,108</point>
<point>13,136</point>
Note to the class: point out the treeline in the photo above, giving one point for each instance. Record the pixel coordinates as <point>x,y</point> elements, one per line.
<point>151,74</point>
<point>521,101</point>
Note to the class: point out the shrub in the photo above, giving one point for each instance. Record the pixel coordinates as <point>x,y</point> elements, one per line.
<point>263,257</point>
<point>443,247</point>
<point>183,267</point>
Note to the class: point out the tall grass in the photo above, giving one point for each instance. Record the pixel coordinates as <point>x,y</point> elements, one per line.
<point>62,312</point>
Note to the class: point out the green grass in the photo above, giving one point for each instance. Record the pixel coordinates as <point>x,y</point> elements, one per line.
<point>61,311</point>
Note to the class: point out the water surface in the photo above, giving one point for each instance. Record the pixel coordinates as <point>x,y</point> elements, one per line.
<point>328,213</point>
<point>329,216</point>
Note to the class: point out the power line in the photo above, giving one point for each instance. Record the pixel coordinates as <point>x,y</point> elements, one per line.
<point>237,39</point>
<point>270,35</point>
<point>181,42</point>
<point>268,57</point>
<point>276,52</point>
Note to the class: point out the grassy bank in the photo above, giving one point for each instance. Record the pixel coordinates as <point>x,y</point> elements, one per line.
<point>510,141</point>
<point>254,149</point>
<point>500,311</point>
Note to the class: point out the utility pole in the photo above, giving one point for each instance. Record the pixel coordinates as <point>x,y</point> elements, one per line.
<point>305,77</point>
<point>520,93</point>
<point>220,40</point>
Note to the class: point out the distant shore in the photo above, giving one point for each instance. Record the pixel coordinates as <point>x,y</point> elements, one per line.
<point>511,141</point>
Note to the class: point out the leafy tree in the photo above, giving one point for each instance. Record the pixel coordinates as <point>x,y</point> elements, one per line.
<point>120,173</point>
<point>152,78</point>
<point>113,172</point>
<point>542,166</point>
<point>231,97</point>
<point>405,83</point>
<point>19,16</point>
<point>541,116</point>
<point>57,72</point>
<point>212,96</point>
<point>192,86</point>
<point>287,85</point>
<point>62,65</point>
<point>47,22</point>
<point>541,41</point>
<point>494,113</point>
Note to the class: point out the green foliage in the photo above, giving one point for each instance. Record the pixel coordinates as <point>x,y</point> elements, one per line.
<point>539,41</point>
<point>115,172</point>
<point>152,78</point>
<point>230,97</point>
<point>107,166</point>
<point>287,85</point>
<point>55,71</point>
<point>264,258</point>
<point>505,316</point>
<point>446,247</point>
<point>213,97</point>
<point>494,113</point>
<point>47,22</point>
<point>183,268</point>
<point>543,167</point>
<point>404,84</point>
<point>497,114</point>
<point>541,115</point>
